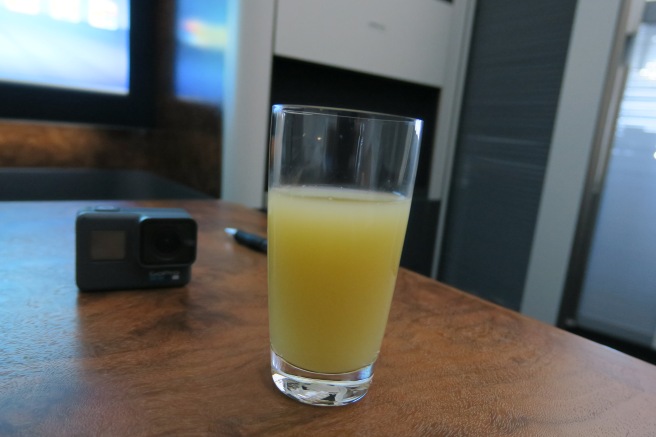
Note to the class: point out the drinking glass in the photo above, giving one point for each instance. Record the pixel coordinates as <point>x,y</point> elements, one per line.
<point>340,186</point>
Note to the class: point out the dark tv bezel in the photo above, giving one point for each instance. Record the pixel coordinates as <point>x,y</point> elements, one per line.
<point>43,103</point>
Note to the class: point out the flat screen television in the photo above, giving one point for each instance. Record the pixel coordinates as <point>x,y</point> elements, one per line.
<point>86,61</point>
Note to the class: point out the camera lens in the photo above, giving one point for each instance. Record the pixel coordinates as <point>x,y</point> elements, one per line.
<point>167,242</point>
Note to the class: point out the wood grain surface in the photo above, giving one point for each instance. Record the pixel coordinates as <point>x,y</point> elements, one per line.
<point>194,360</point>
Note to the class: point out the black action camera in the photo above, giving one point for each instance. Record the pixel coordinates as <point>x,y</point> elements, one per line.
<point>126,248</point>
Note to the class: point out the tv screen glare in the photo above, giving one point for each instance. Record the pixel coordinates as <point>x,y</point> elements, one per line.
<point>71,44</point>
<point>80,61</point>
<point>201,39</point>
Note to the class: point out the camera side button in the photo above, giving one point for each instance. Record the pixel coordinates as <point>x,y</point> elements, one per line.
<point>106,209</point>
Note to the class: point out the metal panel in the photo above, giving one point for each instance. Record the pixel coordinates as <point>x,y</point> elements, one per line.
<point>405,40</point>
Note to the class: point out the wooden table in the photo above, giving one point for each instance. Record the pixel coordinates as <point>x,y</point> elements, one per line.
<point>195,360</point>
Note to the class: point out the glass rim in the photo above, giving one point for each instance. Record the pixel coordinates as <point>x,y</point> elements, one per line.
<point>342,112</point>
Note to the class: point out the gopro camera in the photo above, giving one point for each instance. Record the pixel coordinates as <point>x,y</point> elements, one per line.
<point>126,248</point>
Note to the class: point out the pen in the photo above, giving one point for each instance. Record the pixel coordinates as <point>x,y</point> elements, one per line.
<point>249,240</point>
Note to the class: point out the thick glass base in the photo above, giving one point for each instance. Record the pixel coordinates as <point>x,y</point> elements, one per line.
<point>321,389</point>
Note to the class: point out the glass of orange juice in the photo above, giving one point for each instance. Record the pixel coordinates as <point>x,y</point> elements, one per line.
<point>340,186</point>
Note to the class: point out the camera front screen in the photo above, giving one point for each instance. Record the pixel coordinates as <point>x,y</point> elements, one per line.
<point>108,245</point>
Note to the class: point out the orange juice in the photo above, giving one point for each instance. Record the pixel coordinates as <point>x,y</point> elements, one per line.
<point>333,259</point>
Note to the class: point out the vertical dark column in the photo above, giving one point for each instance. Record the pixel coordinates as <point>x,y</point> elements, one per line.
<point>515,70</point>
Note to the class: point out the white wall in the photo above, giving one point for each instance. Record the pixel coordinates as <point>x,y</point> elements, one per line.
<point>409,40</point>
<point>405,40</point>
<point>246,104</point>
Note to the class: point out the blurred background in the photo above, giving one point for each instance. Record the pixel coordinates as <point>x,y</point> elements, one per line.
<point>537,170</point>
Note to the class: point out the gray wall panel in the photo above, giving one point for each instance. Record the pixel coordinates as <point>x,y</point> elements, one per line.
<point>515,71</point>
